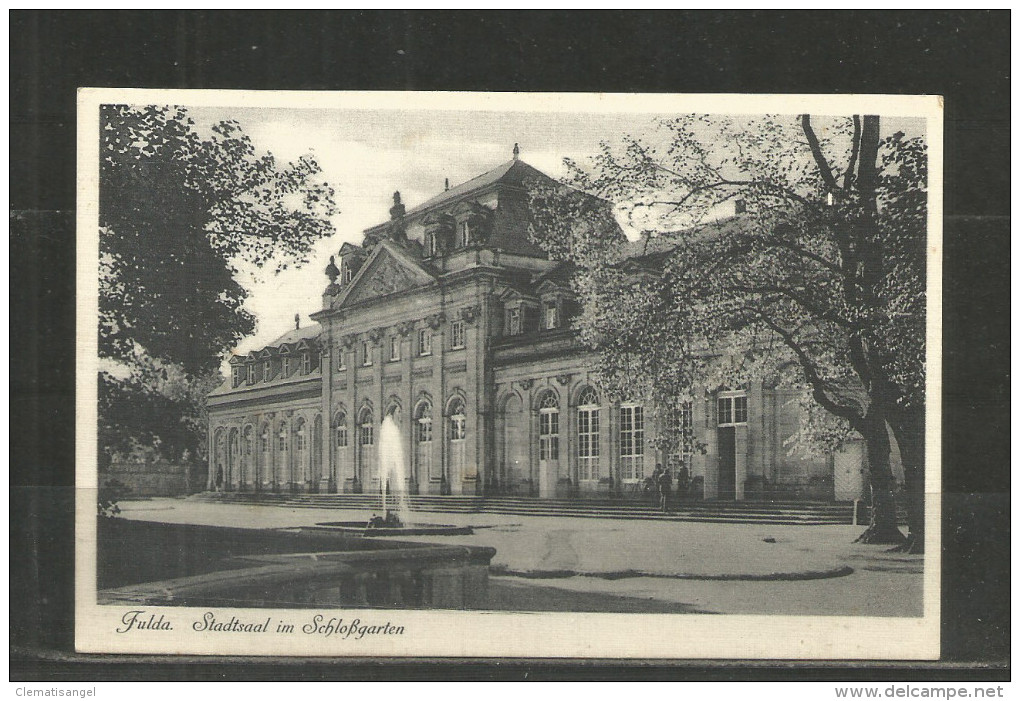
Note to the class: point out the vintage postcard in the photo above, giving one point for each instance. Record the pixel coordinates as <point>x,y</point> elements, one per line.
<point>508,375</point>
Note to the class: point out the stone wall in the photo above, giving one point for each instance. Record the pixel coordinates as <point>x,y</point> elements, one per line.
<point>158,479</point>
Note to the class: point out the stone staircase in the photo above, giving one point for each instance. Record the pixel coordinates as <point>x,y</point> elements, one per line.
<point>793,513</point>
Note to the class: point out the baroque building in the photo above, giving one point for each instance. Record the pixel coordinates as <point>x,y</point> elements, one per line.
<point>450,319</point>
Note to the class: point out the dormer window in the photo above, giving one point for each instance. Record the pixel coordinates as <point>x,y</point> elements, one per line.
<point>285,370</point>
<point>552,315</point>
<point>251,373</point>
<point>267,370</point>
<point>306,363</point>
<point>236,380</point>
<point>345,273</point>
<point>513,321</point>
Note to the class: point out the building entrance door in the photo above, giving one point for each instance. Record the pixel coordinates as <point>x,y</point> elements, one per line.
<point>727,463</point>
<point>515,449</point>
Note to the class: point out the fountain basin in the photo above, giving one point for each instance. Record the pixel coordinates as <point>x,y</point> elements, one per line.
<point>208,566</point>
<point>361,528</point>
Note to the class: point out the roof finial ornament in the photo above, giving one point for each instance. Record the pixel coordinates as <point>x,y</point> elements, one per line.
<point>297,322</point>
<point>332,272</point>
<point>447,185</point>
<point>398,209</point>
<point>517,152</point>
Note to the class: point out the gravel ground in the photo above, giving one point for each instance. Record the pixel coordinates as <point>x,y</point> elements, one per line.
<point>586,564</point>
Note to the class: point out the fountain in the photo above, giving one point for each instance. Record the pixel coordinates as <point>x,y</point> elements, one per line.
<point>393,475</point>
<point>393,479</point>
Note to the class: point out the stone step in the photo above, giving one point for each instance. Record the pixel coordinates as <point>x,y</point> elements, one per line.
<point>796,513</point>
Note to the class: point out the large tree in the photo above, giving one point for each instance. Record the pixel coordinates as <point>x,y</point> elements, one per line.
<point>819,282</point>
<point>182,211</point>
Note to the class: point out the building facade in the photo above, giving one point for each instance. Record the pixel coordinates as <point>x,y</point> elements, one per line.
<point>451,320</point>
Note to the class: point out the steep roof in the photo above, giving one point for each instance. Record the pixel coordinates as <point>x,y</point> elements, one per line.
<point>295,335</point>
<point>510,173</point>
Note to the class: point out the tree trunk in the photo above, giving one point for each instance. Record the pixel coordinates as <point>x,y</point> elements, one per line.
<point>909,432</point>
<point>883,528</point>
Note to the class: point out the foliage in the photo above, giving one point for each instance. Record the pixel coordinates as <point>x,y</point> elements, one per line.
<point>817,280</point>
<point>110,493</point>
<point>181,212</point>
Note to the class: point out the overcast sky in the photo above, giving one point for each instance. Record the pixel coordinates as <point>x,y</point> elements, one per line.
<point>367,154</point>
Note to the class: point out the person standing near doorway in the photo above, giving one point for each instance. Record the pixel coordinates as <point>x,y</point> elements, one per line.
<point>664,482</point>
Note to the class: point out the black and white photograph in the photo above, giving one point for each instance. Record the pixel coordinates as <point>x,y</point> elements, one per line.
<point>393,373</point>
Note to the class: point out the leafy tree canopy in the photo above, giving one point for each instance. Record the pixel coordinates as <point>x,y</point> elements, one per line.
<point>815,278</point>
<point>182,210</point>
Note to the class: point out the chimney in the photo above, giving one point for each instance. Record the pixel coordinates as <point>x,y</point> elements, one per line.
<point>297,322</point>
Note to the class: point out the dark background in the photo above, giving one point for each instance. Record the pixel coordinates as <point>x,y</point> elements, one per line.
<point>963,56</point>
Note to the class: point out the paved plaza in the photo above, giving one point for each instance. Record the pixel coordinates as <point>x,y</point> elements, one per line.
<point>592,564</point>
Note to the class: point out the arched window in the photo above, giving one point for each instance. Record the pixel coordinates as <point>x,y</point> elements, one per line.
<point>458,435</point>
<point>247,453</point>
<point>340,441</point>
<point>423,439</point>
<point>340,430</point>
<point>367,467</point>
<point>301,450</point>
<point>549,427</point>
<point>588,435</point>
<point>266,445</point>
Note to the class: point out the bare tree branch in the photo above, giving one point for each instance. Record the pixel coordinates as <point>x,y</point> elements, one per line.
<point>816,150</point>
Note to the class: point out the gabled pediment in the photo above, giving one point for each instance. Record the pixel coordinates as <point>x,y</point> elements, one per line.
<point>513,295</point>
<point>266,353</point>
<point>552,286</point>
<point>387,271</point>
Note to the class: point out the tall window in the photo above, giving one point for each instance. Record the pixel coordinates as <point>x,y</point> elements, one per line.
<point>394,348</point>
<point>366,353</point>
<point>683,440</point>
<point>340,430</point>
<point>366,439</point>
<point>266,440</point>
<point>552,318</point>
<point>282,445</point>
<point>301,447</point>
<point>306,363</point>
<point>285,370</point>
<point>513,321</point>
<point>632,442</point>
<point>267,371</point>
<point>458,434</point>
<point>423,440</point>
<point>430,244</point>
<point>588,435</point>
<point>251,373</point>
<point>237,375</point>
<point>424,342</point>
<point>340,358</point>
<point>463,234</point>
<point>282,473</point>
<point>732,409</point>
<point>247,452</point>
<point>457,334</point>
<point>549,428</point>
